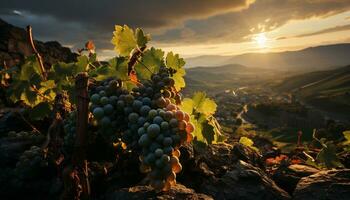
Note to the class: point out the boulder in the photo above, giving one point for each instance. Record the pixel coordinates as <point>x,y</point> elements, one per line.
<point>330,185</point>
<point>243,182</point>
<point>287,177</point>
<point>146,192</point>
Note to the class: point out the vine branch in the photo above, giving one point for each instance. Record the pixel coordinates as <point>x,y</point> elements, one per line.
<point>37,54</point>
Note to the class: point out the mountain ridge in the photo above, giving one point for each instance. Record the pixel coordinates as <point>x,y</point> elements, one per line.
<point>308,59</point>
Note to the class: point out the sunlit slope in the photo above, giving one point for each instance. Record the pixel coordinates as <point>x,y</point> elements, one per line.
<point>327,89</point>
<point>219,78</point>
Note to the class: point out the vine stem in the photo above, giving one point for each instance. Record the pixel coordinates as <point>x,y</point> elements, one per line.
<point>37,54</point>
<point>139,61</point>
<point>28,123</point>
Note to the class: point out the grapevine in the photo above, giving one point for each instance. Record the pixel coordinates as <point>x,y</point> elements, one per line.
<point>135,105</point>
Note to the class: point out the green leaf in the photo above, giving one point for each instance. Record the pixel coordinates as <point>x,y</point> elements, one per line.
<point>174,61</point>
<point>103,72</point>
<point>40,111</point>
<point>29,69</point>
<point>49,84</point>
<point>179,80</point>
<point>120,64</point>
<point>81,65</point>
<point>347,137</point>
<point>29,97</point>
<point>197,133</point>
<point>61,70</point>
<point>141,38</point>
<point>328,156</point>
<point>151,61</point>
<point>246,141</point>
<point>124,40</point>
<point>204,105</point>
<point>208,132</point>
<point>187,105</point>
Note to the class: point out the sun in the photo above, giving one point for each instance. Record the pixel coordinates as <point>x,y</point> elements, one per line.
<point>261,40</point>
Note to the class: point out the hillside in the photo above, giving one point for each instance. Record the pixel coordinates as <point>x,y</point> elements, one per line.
<point>218,78</point>
<point>329,90</point>
<point>309,59</point>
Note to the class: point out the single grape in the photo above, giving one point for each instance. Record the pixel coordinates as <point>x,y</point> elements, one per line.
<point>153,130</point>
<point>95,98</point>
<point>98,113</point>
<point>108,109</point>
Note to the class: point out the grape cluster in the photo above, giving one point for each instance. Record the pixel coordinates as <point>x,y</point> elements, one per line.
<point>148,121</point>
<point>70,131</point>
<point>30,163</point>
<point>37,138</point>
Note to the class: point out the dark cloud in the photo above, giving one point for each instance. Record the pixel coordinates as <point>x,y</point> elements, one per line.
<point>106,13</point>
<point>182,21</point>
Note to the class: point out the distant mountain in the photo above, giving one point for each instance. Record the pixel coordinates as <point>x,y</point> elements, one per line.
<point>309,59</point>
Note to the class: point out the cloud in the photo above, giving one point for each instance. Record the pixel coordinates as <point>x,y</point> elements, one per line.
<point>263,15</point>
<point>73,22</point>
<point>328,30</point>
<point>105,13</point>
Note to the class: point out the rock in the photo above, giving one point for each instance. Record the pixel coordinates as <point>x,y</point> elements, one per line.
<point>146,192</point>
<point>14,47</point>
<point>330,185</point>
<point>247,154</point>
<point>243,182</point>
<point>287,177</point>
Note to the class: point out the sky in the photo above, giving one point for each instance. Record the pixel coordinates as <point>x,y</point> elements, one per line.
<point>188,27</point>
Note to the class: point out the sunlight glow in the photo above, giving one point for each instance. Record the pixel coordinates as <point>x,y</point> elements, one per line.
<point>260,39</point>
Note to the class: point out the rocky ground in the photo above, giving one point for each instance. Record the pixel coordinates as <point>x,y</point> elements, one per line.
<point>220,171</point>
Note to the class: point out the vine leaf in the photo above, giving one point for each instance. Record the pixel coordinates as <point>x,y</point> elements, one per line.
<point>39,110</point>
<point>141,38</point>
<point>179,79</point>
<point>173,61</point>
<point>124,40</point>
<point>328,156</point>
<point>150,63</point>
<point>203,104</point>
<point>187,105</point>
<point>29,68</point>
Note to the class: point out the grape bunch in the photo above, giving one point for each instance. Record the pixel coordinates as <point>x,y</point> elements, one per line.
<point>30,163</point>
<point>147,120</point>
<point>70,131</point>
<point>35,137</point>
